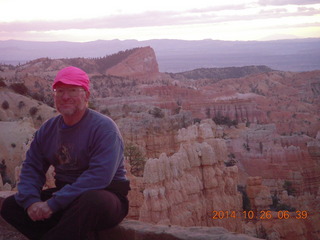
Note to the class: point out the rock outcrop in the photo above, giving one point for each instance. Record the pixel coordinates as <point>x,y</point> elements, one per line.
<point>142,63</point>
<point>19,121</point>
<point>13,139</point>
<point>186,188</point>
<point>259,195</point>
<point>135,230</point>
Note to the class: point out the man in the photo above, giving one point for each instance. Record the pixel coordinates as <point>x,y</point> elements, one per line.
<point>86,149</point>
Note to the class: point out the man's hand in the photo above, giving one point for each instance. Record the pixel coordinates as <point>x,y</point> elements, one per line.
<point>39,211</point>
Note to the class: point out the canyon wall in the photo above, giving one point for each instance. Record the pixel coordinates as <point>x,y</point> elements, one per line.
<point>194,185</point>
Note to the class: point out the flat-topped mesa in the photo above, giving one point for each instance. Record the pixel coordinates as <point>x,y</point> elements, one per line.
<point>142,63</point>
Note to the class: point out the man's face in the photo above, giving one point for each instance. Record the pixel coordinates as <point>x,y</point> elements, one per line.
<point>70,100</point>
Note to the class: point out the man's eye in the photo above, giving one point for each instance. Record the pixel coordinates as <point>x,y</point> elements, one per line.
<point>73,90</point>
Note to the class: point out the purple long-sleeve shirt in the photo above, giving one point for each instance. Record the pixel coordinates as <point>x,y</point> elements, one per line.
<point>86,156</point>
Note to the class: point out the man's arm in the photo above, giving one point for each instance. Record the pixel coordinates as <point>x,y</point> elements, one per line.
<point>32,176</point>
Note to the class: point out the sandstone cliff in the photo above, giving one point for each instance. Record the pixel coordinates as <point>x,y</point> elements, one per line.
<point>185,188</point>
<point>189,187</point>
<point>138,64</point>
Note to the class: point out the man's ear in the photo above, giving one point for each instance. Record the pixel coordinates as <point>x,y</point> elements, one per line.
<point>87,95</point>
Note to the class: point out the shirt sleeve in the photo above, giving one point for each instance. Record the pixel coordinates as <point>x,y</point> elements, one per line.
<point>32,176</point>
<point>106,156</point>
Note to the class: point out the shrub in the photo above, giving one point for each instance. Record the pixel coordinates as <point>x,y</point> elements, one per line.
<point>39,97</point>
<point>106,112</point>
<point>19,88</point>
<point>2,83</point>
<point>196,120</point>
<point>3,168</point>
<point>225,120</point>
<point>277,206</point>
<point>33,111</point>
<point>289,188</point>
<point>246,206</point>
<point>21,104</point>
<point>284,207</point>
<point>261,147</point>
<point>5,105</point>
<point>92,105</point>
<point>3,172</point>
<point>246,146</point>
<point>275,201</point>
<point>156,112</point>
<point>177,110</point>
<point>231,161</point>
<point>136,159</point>
<point>208,112</point>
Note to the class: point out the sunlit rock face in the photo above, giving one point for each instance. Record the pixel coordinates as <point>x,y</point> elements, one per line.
<point>185,188</point>
<point>140,64</point>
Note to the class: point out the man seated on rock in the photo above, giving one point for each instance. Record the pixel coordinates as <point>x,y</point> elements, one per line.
<point>86,149</point>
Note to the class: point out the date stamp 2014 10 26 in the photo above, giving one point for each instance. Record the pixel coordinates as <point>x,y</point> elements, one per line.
<point>260,215</point>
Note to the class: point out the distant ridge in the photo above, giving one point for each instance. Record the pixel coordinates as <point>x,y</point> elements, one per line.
<point>220,73</point>
<point>98,64</point>
<point>180,55</point>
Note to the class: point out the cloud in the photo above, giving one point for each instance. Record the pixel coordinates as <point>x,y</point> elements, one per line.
<point>210,15</point>
<point>287,2</point>
<point>283,12</point>
<point>219,8</point>
<point>147,19</point>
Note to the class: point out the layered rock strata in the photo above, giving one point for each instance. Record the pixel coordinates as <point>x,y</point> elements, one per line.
<point>185,188</point>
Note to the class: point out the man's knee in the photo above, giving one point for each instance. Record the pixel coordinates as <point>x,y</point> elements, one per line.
<point>11,212</point>
<point>99,200</point>
<point>7,206</point>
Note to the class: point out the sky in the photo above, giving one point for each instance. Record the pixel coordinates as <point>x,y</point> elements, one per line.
<point>90,20</point>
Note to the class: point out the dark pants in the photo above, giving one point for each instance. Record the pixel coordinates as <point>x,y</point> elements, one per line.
<point>93,211</point>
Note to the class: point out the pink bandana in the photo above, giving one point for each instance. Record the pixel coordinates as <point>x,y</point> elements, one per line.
<point>72,76</point>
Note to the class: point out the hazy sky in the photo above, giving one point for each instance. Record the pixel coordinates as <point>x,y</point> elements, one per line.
<point>89,20</point>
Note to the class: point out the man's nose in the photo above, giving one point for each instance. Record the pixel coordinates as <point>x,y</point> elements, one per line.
<point>65,95</point>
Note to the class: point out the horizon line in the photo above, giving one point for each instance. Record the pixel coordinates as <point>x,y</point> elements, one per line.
<point>169,39</point>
